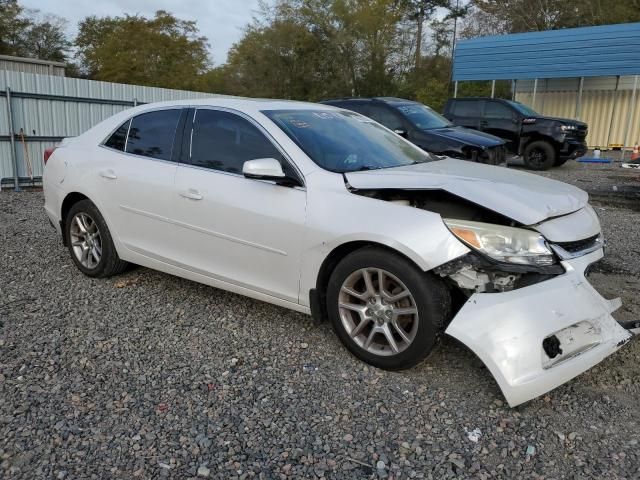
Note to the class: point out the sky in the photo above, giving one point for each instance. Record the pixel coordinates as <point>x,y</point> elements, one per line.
<point>221,21</point>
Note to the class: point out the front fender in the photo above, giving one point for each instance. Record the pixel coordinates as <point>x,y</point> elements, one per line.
<point>336,217</point>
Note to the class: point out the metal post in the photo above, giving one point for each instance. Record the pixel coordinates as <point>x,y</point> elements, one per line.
<point>579,99</point>
<point>14,158</point>
<point>493,88</point>
<point>514,86</point>
<point>613,111</point>
<point>455,89</point>
<point>632,112</point>
<point>546,89</point>
<point>535,89</point>
<point>135,102</point>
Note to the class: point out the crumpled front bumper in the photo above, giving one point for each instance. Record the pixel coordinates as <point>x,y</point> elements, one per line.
<point>506,331</point>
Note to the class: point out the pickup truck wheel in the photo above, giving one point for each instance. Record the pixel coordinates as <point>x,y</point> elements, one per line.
<point>90,242</point>
<point>385,310</point>
<point>539,155</point>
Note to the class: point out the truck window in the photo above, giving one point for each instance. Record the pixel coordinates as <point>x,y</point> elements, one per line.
<point>496,110</point>
<point>468,108</point>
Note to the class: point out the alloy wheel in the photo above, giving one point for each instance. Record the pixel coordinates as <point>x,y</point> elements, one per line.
<point>378,311</point>
<point>86,240</point>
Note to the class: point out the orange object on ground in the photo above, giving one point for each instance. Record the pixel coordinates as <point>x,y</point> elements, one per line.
<point>635,155</point>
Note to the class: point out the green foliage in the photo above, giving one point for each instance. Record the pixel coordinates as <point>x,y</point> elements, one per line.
<point>163,51</point>
<point>24,34</point>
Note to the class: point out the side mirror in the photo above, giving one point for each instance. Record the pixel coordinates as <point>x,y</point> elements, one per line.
<point>401,132</point>
<point>263,169</point>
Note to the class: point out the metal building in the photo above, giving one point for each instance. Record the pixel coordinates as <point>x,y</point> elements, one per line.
<point>36,111</point>
<point>31,65</point>
<point>589,73</point>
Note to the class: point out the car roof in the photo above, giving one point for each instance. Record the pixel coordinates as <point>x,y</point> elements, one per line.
<point>243,104</point>
<point>388,100</point>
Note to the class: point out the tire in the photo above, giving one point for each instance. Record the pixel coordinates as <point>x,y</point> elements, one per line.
<point>428,297</point>
<point>95,256</point>
<point>560,161</point>
<point>539,155</point>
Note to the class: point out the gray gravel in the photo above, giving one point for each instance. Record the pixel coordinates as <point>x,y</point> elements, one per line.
<point>150,376</point>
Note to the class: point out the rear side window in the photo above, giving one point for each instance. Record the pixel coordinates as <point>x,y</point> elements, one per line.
<point>151,134</point>
<point>463,108</point>
<point>118,139</point>
<point>496,110</point>
<point>224,141</point>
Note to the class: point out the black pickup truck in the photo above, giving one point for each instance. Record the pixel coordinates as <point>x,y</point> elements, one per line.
<point>543,142</point>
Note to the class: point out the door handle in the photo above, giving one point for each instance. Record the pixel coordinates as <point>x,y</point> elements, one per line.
<point>191,194</point>
<point>109,174</point>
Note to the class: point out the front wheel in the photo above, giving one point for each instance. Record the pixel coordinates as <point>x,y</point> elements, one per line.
<point>90,242</point>
<point>539,155</point>
<point>384,309</point>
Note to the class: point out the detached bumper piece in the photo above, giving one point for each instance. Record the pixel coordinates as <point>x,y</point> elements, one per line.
<point>534,339</point>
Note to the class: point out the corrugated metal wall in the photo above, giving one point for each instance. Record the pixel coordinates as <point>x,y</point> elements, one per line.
<point>604,109</point>
<point>52,106</point>
<point>31,65</point>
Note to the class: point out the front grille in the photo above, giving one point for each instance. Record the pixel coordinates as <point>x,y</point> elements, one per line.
<point>568,250</point>
<point>579,245</point>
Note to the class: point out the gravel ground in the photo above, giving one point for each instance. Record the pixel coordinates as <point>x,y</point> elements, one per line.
<point>150,376</point>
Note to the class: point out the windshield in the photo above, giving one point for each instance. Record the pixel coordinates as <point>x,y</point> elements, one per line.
<point>422,117</point>
<point>342,141</point>
<point>523,109</point>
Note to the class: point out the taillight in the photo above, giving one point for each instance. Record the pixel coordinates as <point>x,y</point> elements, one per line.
<point>47,153</point>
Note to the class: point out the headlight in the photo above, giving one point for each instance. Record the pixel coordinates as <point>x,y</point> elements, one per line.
<point>504,244</point>
<point>568,128</point>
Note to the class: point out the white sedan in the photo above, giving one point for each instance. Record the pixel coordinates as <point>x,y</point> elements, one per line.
<point>326,212</point>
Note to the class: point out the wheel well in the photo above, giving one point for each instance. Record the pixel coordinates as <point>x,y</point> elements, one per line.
<point>330,264</point>
<point>538,137</point>
<point>69,201</point>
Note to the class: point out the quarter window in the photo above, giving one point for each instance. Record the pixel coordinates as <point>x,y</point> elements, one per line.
<point>118,139</point>
<point>224,141</point>
<point>151,134</point>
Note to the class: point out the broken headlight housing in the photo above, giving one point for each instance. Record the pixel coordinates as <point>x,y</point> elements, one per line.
<point>503,244</point>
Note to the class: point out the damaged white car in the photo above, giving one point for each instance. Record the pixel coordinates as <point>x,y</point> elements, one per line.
<point>324,211</point>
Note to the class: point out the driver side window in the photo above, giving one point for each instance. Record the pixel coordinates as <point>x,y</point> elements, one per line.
<point>224,141</point>
<point>386,117</point>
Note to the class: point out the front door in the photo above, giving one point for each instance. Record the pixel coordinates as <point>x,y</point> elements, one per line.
<point>238,230</point>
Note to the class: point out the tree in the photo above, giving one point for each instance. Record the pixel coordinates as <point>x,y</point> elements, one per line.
<point>512,16</point>
<point>24,34</point>
<point>162,51</point>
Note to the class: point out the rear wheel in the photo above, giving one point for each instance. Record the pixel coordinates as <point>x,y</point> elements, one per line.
<point>90,242</point>
<point>539,155</point>
<point>384,309</point>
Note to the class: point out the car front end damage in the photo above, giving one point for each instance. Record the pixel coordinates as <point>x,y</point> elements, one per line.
<point>536,329</point>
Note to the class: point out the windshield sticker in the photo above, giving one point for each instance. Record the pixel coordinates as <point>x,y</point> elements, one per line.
<point>409,110</point>
<point>296,122</point>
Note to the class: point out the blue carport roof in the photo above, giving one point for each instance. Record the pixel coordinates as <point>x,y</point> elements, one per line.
<point>573,52</point>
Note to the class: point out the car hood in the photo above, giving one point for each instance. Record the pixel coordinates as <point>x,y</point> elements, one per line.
<point>466,135</point>
<point>524,197</point>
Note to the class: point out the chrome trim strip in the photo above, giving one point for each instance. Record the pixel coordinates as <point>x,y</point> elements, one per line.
<point>566,255</point>
<point>203,230</point>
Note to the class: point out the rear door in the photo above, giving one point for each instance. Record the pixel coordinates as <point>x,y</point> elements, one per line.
<point>134,172</point>
<point>500,120</point>
<point>237,230</point>
<point>466,113</point>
